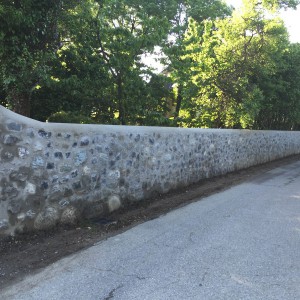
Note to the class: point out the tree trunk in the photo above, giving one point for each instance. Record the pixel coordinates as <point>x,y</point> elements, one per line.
<point>121,100</point>
<point>179,101</point>
<point>20,102</point>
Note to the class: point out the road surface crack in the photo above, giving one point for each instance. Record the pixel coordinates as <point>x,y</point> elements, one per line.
<point>121,274</point>
<point>112,293</point>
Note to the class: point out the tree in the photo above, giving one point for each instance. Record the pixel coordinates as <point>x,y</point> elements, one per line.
<point>29,38</point>
<point>281,106</point>
<point>122,31</point>
<point>236,56</point>
<point>177,46</point>
<point>97,70</point>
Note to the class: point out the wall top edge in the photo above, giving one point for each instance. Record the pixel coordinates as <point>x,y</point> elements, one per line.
<point>7,115</point>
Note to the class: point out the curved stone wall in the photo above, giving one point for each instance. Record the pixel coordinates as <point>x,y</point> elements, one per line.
<point>57,173</point>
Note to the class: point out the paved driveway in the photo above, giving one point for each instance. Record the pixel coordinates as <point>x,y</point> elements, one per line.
<point>243,243</point>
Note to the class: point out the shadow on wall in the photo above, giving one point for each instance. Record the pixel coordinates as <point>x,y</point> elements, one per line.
<point>59,173</point>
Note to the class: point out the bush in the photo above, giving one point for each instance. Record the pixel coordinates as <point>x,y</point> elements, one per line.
<point>69,117</point>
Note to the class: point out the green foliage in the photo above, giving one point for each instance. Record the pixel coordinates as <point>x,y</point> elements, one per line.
<point>178,47</point>
<point>69,117</point>
<point>237,69</point>
<point>28,39</point>
<point>81,61</point>
<point>276,4</point>
<point>281,108</point>
<point>101,68</point>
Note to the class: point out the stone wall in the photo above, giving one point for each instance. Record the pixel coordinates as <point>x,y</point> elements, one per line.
<point>57,173</point>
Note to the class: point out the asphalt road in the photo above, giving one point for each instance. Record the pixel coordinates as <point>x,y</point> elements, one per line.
<point>243,243</point>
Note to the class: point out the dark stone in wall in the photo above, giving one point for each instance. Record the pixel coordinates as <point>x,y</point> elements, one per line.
<point>137,138</point>
<point>14,126</point>
<point>9,192</point>
<point>58,155</point>
<point>14,206</point>
<point>44,185</point>
<point>122,181</point>
<point>34,201</point>
<point>42,133</point>
<point>96,210</point>
<point>76,185</point>
<point>50,166</point>
<point>95,177</point>
<point>65,168</point>
<point>68,192</point>
<point>55,179</point>
<point>86,181</point>
<point>31,134</point>
<point>21,175</point>
<point>84,141</point>
<point>10,140</point>
<point>8,155</point>
<point>55,194</point>
<point>74,173</point>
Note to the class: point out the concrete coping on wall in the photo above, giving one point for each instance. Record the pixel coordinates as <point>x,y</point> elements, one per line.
<point>7,115</point>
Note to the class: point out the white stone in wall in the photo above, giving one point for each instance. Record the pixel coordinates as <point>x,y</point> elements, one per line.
<point>30,188</point>
<point>146,151</point>
<point>193,142</point>
<point>4,224</point>
<point>114,175</point>
<point>23,152</point>
<point>38,146</point>
<point>114,203</point>
<point>30,214</point>
<point>21,217</point>
<point>167,157</point>
<point>86,170</point>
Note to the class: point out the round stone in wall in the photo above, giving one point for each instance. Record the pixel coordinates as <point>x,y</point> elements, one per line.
<point>114,203</point>
<point>69,216</point>
<point>4,224</point>
<point>46,219</point>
